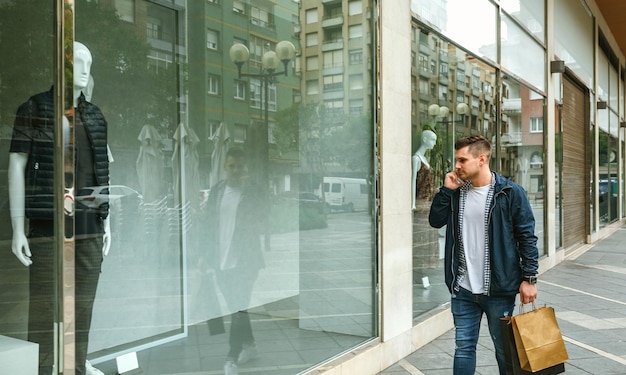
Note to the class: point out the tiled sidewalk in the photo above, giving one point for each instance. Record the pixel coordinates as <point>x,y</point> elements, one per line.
<point>588,293</point>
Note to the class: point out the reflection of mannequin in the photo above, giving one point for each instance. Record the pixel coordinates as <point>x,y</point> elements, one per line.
<point>30,170</point>
<point>425,237</point>
<point>429,138</point>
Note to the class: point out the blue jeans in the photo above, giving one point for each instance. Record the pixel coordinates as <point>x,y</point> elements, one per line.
<point>467,310</point>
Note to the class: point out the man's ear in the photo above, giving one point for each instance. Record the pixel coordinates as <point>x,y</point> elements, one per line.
<point>482,158</point>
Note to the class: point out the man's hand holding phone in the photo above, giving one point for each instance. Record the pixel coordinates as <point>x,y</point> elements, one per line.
<point>452,181</point>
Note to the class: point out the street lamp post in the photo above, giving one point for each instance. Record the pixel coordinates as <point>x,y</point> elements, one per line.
<point>259,138</point>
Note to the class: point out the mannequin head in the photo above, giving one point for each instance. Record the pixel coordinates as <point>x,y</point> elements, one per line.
<point>429,139</point>
<point>82,66</point>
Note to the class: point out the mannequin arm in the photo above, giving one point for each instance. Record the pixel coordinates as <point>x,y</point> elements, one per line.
<point>106,243</point>
<point>19,245</point>
<point>416,164</point>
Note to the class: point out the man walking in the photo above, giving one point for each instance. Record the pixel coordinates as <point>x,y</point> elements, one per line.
<point>491,250</point>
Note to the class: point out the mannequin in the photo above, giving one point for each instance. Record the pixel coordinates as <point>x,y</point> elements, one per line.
<point>429,139</point>
<point>425,237</point>
<point>33,132</point>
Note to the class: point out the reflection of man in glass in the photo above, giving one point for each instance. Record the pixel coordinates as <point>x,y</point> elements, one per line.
<point>236,215</point>
<point>31,192</point>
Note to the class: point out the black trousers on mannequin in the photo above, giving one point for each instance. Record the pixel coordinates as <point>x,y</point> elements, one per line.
<point>42,300</point>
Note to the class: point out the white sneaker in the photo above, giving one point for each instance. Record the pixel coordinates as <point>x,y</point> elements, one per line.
<point>248,353</point>
<point>90,370</point>
<point>230,368</point>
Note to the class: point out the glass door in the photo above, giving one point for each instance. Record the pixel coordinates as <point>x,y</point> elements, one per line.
<point>36,189</point>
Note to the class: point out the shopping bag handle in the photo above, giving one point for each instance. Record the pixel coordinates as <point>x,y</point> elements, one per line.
<point>521,307</point>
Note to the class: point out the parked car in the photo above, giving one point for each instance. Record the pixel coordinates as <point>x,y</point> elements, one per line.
<point>96,196</point>
<point>312,211</point>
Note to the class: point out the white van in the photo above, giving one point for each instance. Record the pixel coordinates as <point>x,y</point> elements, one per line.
<point>347,194</point>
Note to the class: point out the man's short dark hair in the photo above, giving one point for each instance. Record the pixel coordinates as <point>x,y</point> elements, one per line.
<point>478,144</point>
<point>236,153</point>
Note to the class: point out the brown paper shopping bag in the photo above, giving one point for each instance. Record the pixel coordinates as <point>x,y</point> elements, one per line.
<point>512,359</point>
<point>538,339</point>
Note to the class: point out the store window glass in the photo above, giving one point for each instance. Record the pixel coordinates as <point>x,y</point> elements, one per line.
<point>241,183</point>
<point>529,13</point>
<point>472,24</point>
<point>608,152</point>
<point>574,38</point>
<point>521,151</point>
<point>521,54</point>
<point>29,307</point>
<point>457,97</point>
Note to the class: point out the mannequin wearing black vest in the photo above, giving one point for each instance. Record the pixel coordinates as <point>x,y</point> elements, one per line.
<point>31,189</point>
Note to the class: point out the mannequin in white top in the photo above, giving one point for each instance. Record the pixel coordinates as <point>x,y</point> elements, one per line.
<point>92,240</point>
<point>17,167</point>
<point>429,139</point>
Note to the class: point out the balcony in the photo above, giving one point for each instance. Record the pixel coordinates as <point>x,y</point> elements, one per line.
<point>511,138</point>
<point>331,45</point>
<point>332,21</point>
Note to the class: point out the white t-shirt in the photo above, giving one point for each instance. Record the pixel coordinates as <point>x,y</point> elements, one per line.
<point>228,214</point>
<point>473,233</point>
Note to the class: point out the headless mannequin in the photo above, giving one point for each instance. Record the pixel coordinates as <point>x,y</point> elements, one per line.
<point>429,139</point>
<point>17,168</point>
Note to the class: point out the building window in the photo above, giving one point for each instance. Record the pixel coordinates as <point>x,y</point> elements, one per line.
<point>333,59</point>
<point>423,63</point>
<point>333,82</point>
<point>312,87</point>
<point>312,63</point>
<point>212,37</point>
<point>159,60</point>
<point>213,84</point>
<point>355,7</point>
<point>536,124</point>
<point>311,16</point>
<point>443,93</point>
<point>258,47</point>
<point>334,35</point>
<point>240,131</point>
<point>257,99</point>
<point>311,39</point>
<point>240,90</point>
<point>125,10</point>
<point>261,17</point>
<point>355,31</point>
<point>443,70</point>
<point>356,56</point>
<point>356,107</point>
<point>239,7</point>
<point>153,29</point>
<point>356,81</point>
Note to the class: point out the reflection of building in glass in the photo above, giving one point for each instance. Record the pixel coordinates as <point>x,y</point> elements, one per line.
<point>460,84</point>
<point>336,43</point>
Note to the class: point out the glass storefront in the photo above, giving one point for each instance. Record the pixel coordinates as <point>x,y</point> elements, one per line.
<point>238,214</point>
<point>456,93</point>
